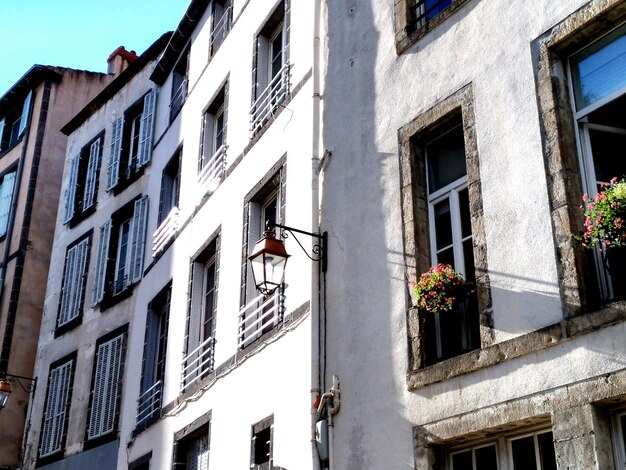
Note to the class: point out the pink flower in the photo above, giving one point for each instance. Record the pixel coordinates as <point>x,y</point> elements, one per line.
<point>614,180</point>
<point>585,197</point>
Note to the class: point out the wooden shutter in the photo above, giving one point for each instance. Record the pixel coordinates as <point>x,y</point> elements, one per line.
<point>106,386</point>
<point>150,349</point>
<point>254,234</point>
<point>115,151</point>
<point>91,182</point>
<point>137,240</point>
<point>73,282</point>
<point>99,277</point>
<point>25,113</point>
<point>197,457</point>
<point>70,191</point>
<point>195,307</point>
<point>6,196</point>
<point>55,413</point>
<point>146,128</point>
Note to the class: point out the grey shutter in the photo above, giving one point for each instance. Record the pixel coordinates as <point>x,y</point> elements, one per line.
<point>150,346</point>
<point>6,196</point>
<point>195,310</point>
<point>262,65</point>
<point>115,151</point>
<point>99,277</point>
<point>281,204</point>
<point>244,257</point>
<point>73,282</point>
<point>137,240</point>
<point>1,133</point>
<point>89,195</point>
<point>146,128</point>
<point>70,191</point>
<point>25,113</point>
<point>106,385</point>
<point>254,234</point>
<point>55,413</point>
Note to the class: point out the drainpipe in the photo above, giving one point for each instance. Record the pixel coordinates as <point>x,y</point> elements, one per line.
<point>8,332</point>
<point>316,293</point>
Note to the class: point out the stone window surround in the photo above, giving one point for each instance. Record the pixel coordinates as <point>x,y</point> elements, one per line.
<point>406,34</point>
<point>550,52</point>
<point>415,212</point>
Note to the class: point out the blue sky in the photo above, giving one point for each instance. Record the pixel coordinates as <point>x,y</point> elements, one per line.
<point>78,34</point>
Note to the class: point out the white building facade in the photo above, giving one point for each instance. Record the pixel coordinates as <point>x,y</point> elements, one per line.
<point>466,132</point>
<point>157,350</point>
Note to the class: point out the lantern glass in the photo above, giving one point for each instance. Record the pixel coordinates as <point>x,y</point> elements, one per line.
<point>268,260</point>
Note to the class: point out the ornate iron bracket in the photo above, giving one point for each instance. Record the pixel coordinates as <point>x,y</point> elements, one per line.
<point>29,388</point>
<point>319,251</point>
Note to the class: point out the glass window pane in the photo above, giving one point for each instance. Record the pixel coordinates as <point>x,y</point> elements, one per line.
<point>445,257</point>
<point>446,159</point>
<point>524,457</point>
<point>464,207</point>
<point>608,154</point>
<point>435,6</point>
<point>443,224</point>
<point>462,461</point>
<point>486,458</point>
<point>600,69</point>
<point>546,451</point>
<point>468,254</point>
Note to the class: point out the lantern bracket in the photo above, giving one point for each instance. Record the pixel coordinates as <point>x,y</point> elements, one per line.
<point>28,388</point>
<point>318,250</point>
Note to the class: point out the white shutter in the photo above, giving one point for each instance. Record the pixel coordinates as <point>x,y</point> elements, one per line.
<point>106,385</point>
<point>55,414</point>
<point>70,191</point>
<point>254,235</point>
<point>195,307</point>
<point>146,128</point>
<point>99,277</point>
<point>115,151</point>
<point>25,113</point>
<point>198,454</point>
<point>137,240</point>
<point>89,195</point>
<point>6,196</point>
<point>73,282</point>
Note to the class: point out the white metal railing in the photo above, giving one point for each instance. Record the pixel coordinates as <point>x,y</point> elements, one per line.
<point>269,99</point>
<point>149,402</point>
<point>257,317</point>
<point>178,99</point>
<point>165,231</point>
<point>197,363</point>
<point>220,30</point>
<point>213,170</point>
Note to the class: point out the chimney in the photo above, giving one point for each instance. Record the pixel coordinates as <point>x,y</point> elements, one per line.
<point>119,59</point>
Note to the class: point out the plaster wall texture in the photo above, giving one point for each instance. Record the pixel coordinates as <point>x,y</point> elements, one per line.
<point>486,44</point>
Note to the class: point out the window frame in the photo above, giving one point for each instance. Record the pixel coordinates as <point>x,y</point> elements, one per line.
<point>435,121</point>
<point>170,186</point>
<point>226,17</point>
<point>6,199</point>
<point>180,83</point>
<point>13,124</point>
<point>189,434</point>
<point>266,424</point>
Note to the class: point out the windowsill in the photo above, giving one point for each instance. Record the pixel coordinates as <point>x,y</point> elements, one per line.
<point>516,347</point>
<point>98,441</point>
<point>110,300</point>
<point>408,36</point>
<point>124,182</point>
<point>70,325</point>
<point>80,216</point>
<point>11,147</point>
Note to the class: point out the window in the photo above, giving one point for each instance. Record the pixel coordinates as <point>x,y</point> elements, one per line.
<point>120,254</point>
<point>261,454</point>
<point>425,10</point>
<point>131,142</point>
<point>6,198</point>
<point>56,408</point>
<point>170,187</point>
<point>529,452</point>
<point>212,160</point>
<point>441,204</point>
<point>450,241</point>
<point>191,451</point>
<point>221,21</point>
<point>204,275</point>
<point>154,353</point>
<point>106,386</point>
<point>74,280</point>
<point>599,95</point>
<point>179,84</point>
<point>82,188</point>
<point>270,74</point>
<point>265,207</point>
<point>13,124</point>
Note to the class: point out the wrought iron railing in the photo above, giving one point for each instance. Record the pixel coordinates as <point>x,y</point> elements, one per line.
<point>258,317</point>
<point>269,100</point>
<point>149,403</point>
<point>118,285</point>
<point>197,363</point>
<point>213,170</point>
<point>220,30</point>
<point>164,233</point>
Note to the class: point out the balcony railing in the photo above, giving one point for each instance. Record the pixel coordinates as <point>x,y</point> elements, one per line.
<point>164,233</point>
<point>197,363</point>
<point>149,403</point>
<point>220,30</point>
<point>118,286</point>
<point>213,170</point>
<point>269,100</point>
<point>258,317</point>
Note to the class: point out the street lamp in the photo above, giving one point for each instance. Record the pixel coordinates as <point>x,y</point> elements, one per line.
<point>5,386</point>
<point>269,257</point>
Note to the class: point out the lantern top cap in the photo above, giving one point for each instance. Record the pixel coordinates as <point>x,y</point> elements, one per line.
<point>269,245</point>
